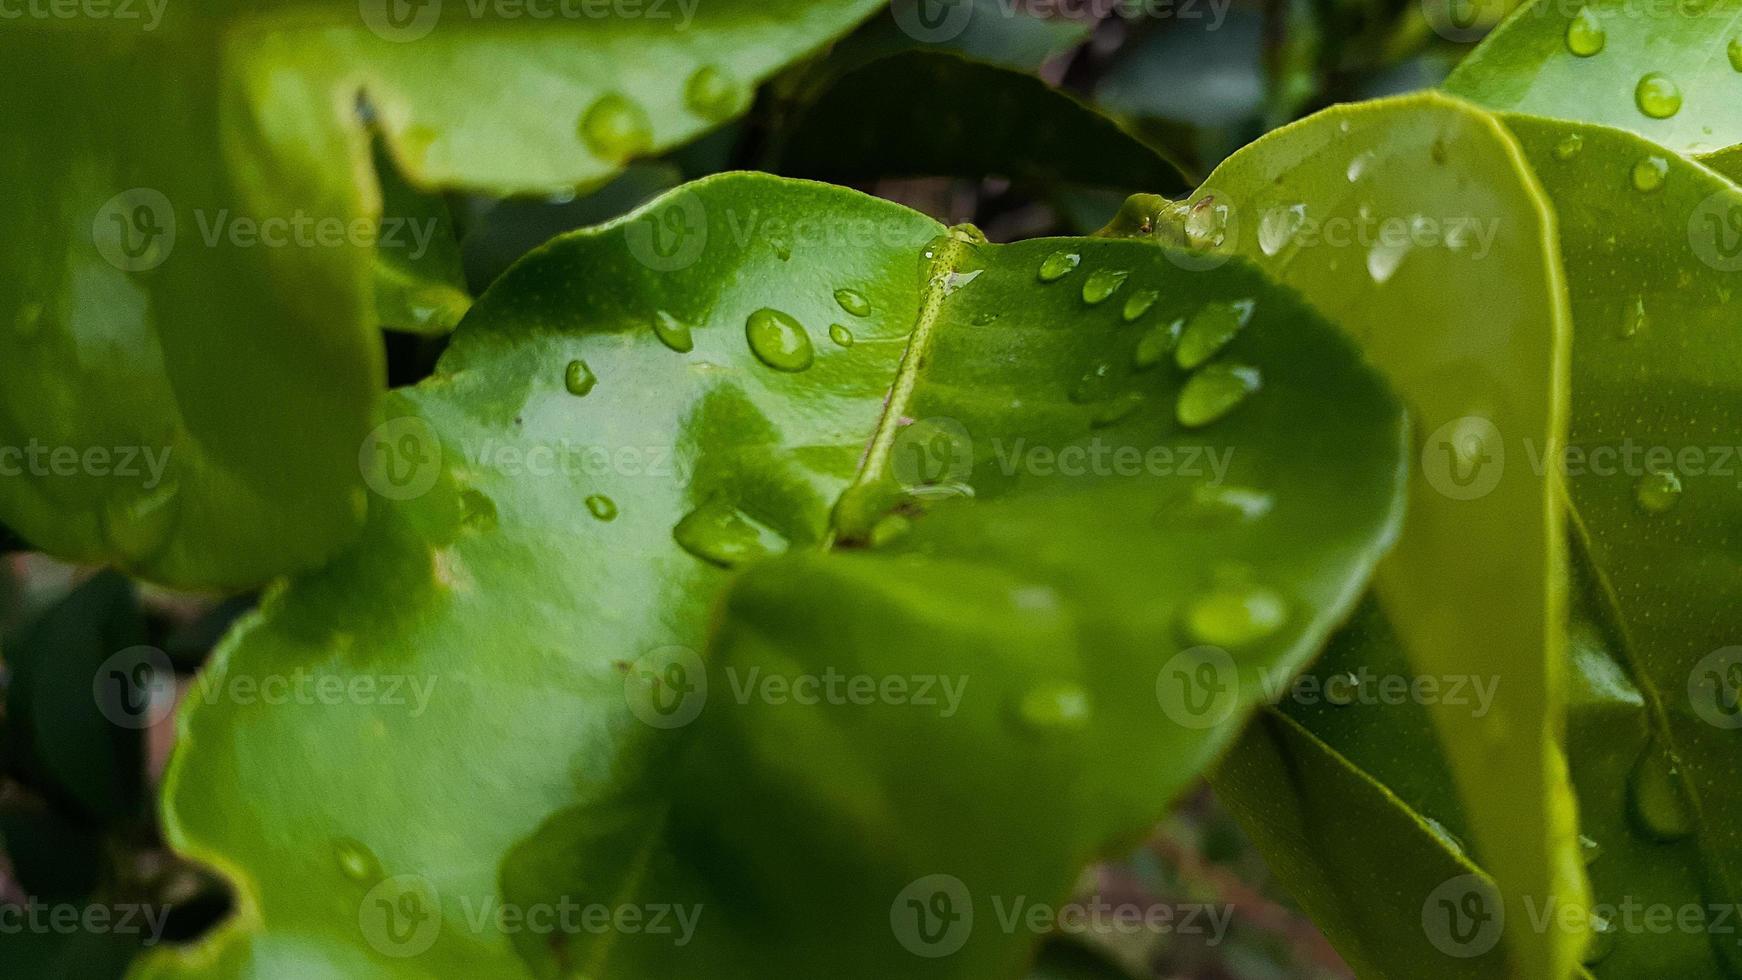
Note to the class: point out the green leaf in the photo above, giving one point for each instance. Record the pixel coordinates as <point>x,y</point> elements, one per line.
<point>979,120</point>
<point>82,689</point>
<point>1650,462</point>
<point>544,608</point>
<point>1669,72</point>
<point>420,288</point>
<point>148,308</point>
<point>1371,211</point>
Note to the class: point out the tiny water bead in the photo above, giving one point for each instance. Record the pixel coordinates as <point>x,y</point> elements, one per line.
<point>985,318</point>
<point>778,340</point>
<point>1659,805</point>
<point>1278,227</point>
<point>1102,284</point>
<point>1115,410</point>
<point>721,534</point>
<point>1054,706</point>
<point>673,332</point>
<point>616,128</point>
<point>1210,330</point>
<point>1657,491</point>
<point>1734,50</point>
<point>1138,303</point>
<point>1096,385</point>
<point>853,302</point>
<point>1589,850</point>
<point>1228,501</point>
<point>1235,615</point>
<point>602,508</point>
<point>1452,842</point>
<point>1569,146</point>
<point>1153,348</point>
<point>1384,258</point>
<point>712,94</point>
<point>1649,174</point>
<point>1214,392</point>
<point>1658,96</point>
<point>842,336</point>
<point>1059,265</point>
<point>578,378</point>
<point>1585,34</point>
<point>355,860</point>
<point>1636,319</point>
<point>1358,165</point>
<point>781,247</point>
<point>1601,942</point>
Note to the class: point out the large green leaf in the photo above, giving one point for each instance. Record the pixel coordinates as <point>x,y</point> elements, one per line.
<point>1652,471</point>
<point>1671,72</point>
<point>544,608</point>
<point>981,120</point>
<point>1649,273</point>
<point>195,282</point>
<point>1371,211</point>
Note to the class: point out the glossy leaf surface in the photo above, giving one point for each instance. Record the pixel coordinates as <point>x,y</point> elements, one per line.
<point>560,748</point>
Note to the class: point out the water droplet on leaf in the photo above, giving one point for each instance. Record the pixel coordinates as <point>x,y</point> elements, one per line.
<point>1235,615</point>
<point>1657,491</point>
<point>1279,226</point>
<point>673,333</point>
<point>1660,809</point>
<point>778,340</point>
<point>1138,303</point>
<point>1209,330</point>
<point>1155,344</point>
<point>1658,96</point>
<point>1214,392</point>
<point>1649,174</point>
<point>1058,265</point>
<point>1101,284</point>
<point>712,94</point>
<point>1585,34</point>
<point>1569,146</point>
<point>842,336</point>
<point>853,302</point>
<point>356,861</point>
<point>1116,410</point>
<point>1055,706</point>
<point>719,533</point>
<point>616,128</point>
<point>578,378</point>
<point>602,507</point>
